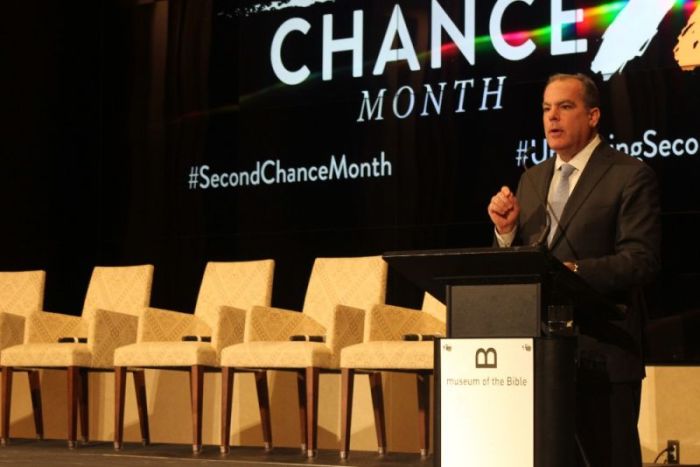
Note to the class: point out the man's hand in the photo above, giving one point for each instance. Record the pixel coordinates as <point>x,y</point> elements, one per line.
<point>504,210</point>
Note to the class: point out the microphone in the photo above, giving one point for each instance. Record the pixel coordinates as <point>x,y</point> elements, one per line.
<point>549,214</point>
<point>542,238</point>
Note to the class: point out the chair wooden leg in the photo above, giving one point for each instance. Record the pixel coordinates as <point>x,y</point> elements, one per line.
<point>301,390</point>
<point>6,395</point>
<point>264,406</point>
<point>227,374</point>
<point>375,382</point>
<point>73,376</point>
<point>35,392</point>
<point>347,379</point>
<point>119,390</point>
<point>142,406</point>
<point>83,405</point>
<point>312,375</point>
<point>423,381</point>
<point>196,386</point>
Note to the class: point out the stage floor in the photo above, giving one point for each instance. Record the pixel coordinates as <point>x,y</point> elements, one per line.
<point>54,453</point>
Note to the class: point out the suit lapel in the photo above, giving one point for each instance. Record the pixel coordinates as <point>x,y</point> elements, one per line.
<point>541,180</point>
<point>597,166</point>
<point>532,194</point>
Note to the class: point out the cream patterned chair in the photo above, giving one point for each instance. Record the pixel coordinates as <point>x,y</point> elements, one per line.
<point>227,291</point>
<point>114,299</point>
<point>21,293</point>
<point>338,293</point>
<point>384,349</point>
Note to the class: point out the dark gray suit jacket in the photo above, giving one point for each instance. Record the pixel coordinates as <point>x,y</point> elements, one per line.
<point>610,226</point>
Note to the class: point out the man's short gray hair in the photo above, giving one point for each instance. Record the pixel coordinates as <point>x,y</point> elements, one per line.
<point>591,96</point>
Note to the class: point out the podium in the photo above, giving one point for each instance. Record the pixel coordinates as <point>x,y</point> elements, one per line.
<point>505,374</point>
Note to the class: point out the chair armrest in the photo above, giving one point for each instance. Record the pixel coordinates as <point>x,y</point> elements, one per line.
<point>108,330</point>
<point>229,327</point>
<point>46,327</point>
<point>391,323</point>
<point>156,324</point>
<point>265,323</point>
<point>346,328</point>
<point>11,330</point>
<point>428,324</point>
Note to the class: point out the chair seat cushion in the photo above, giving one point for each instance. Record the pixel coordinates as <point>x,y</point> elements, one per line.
<point>47,355</point>
<point>166,354</point>
<point>388,355</point>
<point>278,354</point>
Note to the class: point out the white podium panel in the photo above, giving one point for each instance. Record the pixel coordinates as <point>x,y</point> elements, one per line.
<point>487,402</point>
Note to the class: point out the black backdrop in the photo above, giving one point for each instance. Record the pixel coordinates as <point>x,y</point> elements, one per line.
<point>109,106</point>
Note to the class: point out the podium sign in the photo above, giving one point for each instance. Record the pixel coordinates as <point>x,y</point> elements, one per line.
<point>486,391</point>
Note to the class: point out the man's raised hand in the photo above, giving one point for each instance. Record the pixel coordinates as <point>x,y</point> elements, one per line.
<point>504,210</point>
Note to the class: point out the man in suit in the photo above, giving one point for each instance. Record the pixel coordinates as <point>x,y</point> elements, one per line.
<point>601,209</point>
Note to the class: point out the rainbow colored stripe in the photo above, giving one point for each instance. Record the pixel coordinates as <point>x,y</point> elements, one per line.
<point>595,21</point>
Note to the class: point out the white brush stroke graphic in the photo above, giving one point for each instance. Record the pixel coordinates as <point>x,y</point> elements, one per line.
<point>279,5</point>
<point>629,35</point>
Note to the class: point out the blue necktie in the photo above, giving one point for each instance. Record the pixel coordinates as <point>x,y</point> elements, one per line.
<point>558,199</point>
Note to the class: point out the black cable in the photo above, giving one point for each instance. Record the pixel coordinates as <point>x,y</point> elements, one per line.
<point>657,457</point>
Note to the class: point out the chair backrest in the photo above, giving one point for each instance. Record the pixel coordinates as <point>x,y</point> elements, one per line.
<point>358,282</point>
<point>434,307</point>
<point>240,284</point>
<point>124,289</point>
<point>22,292</point>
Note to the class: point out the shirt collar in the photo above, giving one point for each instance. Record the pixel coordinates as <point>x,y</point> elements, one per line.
<point>581,158</point>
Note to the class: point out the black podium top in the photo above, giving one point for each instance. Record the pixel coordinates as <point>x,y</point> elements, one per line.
<point>434,270</point>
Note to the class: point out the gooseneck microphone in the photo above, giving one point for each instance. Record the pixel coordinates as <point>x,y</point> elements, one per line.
<point>542,237</point>
<point>549,214</point>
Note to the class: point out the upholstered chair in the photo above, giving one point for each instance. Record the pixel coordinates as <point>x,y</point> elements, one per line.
<point>192,342</point>
<point>114,299</point>
<point>21,293</point>
<point>386,348</point>
<point>307,343</point>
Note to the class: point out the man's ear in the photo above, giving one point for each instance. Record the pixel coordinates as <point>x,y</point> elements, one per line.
<point>593,117</point>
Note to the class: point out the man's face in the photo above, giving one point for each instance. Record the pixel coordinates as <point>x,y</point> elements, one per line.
<point>568,125</point>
